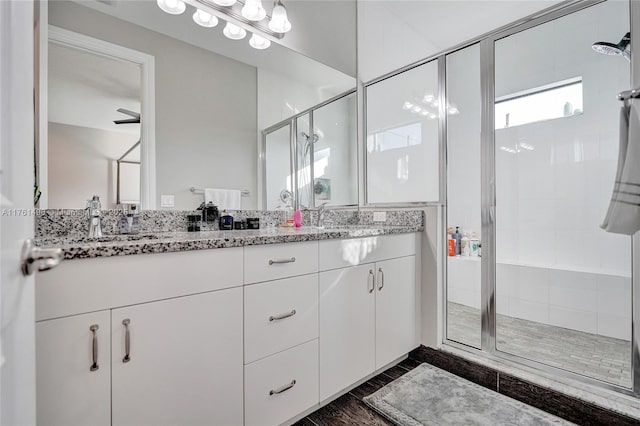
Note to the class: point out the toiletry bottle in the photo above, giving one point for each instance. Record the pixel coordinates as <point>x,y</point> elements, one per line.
<point>457,237</point>
<point>465,245</point>
<point>474,241</point>
<point>297,218</point>
<point>451,243</point>
<point>135,220</point>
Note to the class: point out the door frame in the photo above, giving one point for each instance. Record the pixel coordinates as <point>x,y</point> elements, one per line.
<point>63,37</point>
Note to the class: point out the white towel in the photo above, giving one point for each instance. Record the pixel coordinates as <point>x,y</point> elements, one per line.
<point>224,199</point>
<point>623,216</point>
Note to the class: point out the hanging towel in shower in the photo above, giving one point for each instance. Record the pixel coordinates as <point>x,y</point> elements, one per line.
<point>623,216</point>
<point>224,199</point>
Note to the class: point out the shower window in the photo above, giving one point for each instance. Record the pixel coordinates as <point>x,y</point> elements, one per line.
<point>556,100</point>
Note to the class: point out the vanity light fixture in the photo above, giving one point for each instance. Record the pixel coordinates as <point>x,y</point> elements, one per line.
<point>240,16</point>
<point>225,2</point>
<point>173,7</point>
<point>258,42</point>
<point>279,21</point>
<point>253,10</point>
<point>234,32</point>
<point>204,19</point>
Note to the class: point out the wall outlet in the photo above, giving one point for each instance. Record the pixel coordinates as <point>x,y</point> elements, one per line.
<point>167,201</point>
<point>379,216</point>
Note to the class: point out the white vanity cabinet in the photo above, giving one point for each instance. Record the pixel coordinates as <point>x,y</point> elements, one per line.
<point>183,365</point>
<point>73,382</point>
<point>253,336</point>
<point>185,351</point>
<point>368,311</point>
<point>280,332</point>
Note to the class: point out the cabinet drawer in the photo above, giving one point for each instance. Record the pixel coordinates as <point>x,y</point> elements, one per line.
<point>279,315</point>
<point>270,262</point>
<point>87,285</point>
<point>267,399</point>
<point>335,254</point>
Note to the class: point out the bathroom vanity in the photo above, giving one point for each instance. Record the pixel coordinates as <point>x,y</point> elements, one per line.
<point>259,331</point>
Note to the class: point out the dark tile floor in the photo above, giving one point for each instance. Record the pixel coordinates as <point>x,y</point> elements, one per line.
<point>349,409</point>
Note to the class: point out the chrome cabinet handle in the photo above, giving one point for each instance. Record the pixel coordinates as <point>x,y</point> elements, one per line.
<point>381,272</point>
<point>127,340</point>
<point>94,349</point>
<point>274,262</point>
<point>283,316</point>
<point>283,388</point>
<point>373,281</point>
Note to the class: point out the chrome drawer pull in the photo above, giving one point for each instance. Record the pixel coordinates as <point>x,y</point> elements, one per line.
<point>94,341</point>
<point>282,389</point>
<point>283,316</point>
<point>127,340</point>
<point>274,262</point>
<point>381,286</point>
<point>373,281</point>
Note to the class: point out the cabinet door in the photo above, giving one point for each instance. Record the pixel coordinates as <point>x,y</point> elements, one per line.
<point>71,389</point>
<point>185,361</point>
<point>347,333</point>
<point>395,309</point>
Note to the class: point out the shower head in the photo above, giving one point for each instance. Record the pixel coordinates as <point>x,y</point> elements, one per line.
<point>309,141</point>
<point>607,48</point>
<point>307,137</point>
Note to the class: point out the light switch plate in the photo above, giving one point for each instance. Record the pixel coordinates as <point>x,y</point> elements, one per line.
<point>167,201</point>
<point>379,216</point>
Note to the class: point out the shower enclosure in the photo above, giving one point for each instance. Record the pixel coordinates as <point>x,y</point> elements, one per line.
<point>311,159</point>
<point>530,177</point>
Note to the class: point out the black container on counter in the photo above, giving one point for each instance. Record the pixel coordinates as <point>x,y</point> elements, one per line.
<point>240,224</point>
<point>253,223</point>
<point>226,223</point>
<point>194,222</point>
<point>210,213</point>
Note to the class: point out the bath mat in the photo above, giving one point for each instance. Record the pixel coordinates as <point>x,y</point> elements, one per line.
<point>430,396</point>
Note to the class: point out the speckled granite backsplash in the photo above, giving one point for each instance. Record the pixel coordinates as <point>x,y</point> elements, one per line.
<point>63,222</point>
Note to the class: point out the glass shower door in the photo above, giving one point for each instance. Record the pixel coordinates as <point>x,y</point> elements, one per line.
<point>562,285</point>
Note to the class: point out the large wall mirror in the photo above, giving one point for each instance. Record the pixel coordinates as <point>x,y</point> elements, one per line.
<point>139,106</point>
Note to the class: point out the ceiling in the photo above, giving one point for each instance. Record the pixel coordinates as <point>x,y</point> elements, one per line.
<point>85,89</point>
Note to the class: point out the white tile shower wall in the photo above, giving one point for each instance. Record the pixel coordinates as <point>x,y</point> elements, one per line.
<point>551,199</point>
<point>584,301</point>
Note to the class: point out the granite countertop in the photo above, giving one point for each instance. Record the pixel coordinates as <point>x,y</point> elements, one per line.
<point>80,247</point>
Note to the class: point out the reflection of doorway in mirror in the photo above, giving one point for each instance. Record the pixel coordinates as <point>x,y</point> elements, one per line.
<point>99,124</point>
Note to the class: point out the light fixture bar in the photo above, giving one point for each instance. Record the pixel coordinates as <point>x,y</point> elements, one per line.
<point>233,14</point>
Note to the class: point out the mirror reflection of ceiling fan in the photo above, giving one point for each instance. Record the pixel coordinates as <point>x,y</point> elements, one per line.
<point>134,120</point>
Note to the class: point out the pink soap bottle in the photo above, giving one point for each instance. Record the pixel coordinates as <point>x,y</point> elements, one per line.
<point>297,218</point>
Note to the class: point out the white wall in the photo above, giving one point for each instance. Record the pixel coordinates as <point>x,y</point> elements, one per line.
<point>82,164</point>
<point>552,199</point>
<point>205,107</point>
<point>395,33</point>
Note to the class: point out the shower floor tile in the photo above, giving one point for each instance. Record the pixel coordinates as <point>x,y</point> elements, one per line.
<point>599,357</point>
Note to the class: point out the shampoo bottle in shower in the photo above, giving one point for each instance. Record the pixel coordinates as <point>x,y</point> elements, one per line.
<point>465,245</point>
<point>457,237</point>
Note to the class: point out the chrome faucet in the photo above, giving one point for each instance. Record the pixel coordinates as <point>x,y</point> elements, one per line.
<point>321,212</point>
<point>94,208</point>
